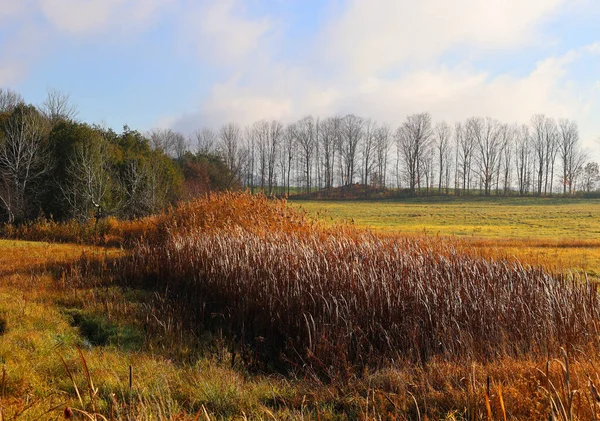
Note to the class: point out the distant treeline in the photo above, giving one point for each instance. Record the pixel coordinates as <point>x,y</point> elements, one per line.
<point>475,156</point>
<point>55,166</point>
<point>51,164</point>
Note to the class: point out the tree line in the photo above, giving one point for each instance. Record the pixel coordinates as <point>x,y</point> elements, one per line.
<point>55,166</point>
<point>474,156</point>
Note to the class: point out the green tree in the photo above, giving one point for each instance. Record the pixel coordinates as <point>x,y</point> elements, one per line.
<point>149,180</point>
<point>83,176</point>
<point>205,172</point>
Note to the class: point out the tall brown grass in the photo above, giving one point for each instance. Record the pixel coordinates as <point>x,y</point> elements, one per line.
<point>296,294</point>
<point>108,231</point>
<point>215,210</point>
<point>282,291</point>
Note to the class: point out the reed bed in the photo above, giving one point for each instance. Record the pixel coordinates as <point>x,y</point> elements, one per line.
<point>335,300</point>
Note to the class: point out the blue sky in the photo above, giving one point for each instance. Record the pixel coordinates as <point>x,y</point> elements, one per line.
<point>187,64</point>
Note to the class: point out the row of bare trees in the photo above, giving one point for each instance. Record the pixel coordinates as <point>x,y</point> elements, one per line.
<point>478,154</point>
<point>51,163</point>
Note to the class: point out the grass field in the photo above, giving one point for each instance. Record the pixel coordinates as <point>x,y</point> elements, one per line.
<point>530,218</point>
<point>45,318</point>
<point>71,330</point>
<point>554,232</point>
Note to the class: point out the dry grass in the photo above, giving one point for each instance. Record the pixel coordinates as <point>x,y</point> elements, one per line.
<point>334,301</point>
<point>558,233</point>
<point>49,308</point>
<point>107,232</point>
<point>366,327</point>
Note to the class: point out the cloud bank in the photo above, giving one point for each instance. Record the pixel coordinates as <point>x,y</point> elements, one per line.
<point>386,59</point>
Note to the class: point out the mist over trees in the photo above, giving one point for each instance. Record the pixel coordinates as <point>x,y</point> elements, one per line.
<point>53,165</point>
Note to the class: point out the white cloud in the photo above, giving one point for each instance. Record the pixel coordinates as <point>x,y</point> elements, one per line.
<point>26,39</point>
<point>10,9</point>
<point>22,48</point>
<point>95,16</point>
<point>222,32</point>
<point>9,74</point>
<point>373,36</point>
<point>379,58</point>
<point>449,93</point>
<point>385,59</point>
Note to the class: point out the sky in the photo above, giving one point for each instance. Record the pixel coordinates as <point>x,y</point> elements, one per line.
<point>188,64</point>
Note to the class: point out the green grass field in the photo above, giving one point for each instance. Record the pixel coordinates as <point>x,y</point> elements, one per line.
<point>534,218</point>
<point>558,233</point>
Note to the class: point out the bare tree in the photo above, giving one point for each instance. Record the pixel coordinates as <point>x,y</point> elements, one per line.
<point>465,148</point>
<point>488,140</point>
<point>523,159</point>
<point>442,136</point>
<point>579,161</point>
<point>352,132</point>
<point>591,175</point>
<point>568,150</point>
<point>267,137</point>
<point>259,134</point>
<point>9,99</point>
<point>57,106</point>
<point>24,159</point>
<point>275,135</point>
<point>368,150</point>
<point>206,141</point>
<point>398,173</point>
<point>544,138</point>
<point>305,135</point>
<point>287,153</point>
<point>427,167</point>
<point>181,146</point>
<point>88,178</point>
<point>248,164</point>
<point>145,188</point>
<point>317,169</point>
<point>164,140</point>
<point>509,134</point>
<point>230,137</point>
<point>329,135</point>
<point>552,150</point>
<point>413,139</point>
<point>383,139</point>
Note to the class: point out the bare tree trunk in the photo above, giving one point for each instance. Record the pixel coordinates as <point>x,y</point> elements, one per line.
<point>413,139</point>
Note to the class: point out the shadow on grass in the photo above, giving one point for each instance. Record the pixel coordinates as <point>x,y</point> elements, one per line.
<point>99,331</point>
